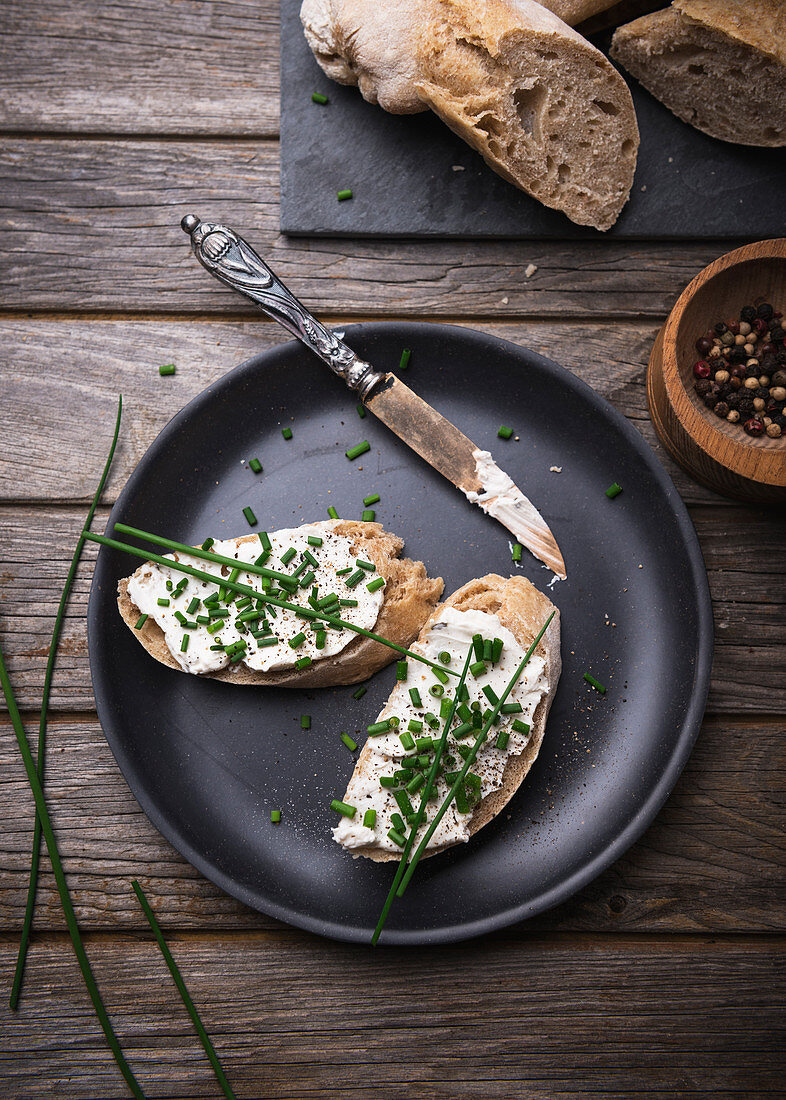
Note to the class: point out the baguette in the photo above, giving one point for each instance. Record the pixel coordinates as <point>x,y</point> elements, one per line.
<point>543,107</point>
<point>409,598</point>
<point>522,609</point>
<point>719,65</point>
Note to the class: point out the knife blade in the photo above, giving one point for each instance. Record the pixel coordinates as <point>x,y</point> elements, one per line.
<point>439,442</point>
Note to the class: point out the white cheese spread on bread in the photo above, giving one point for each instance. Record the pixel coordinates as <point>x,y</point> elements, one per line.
<point>222,627</point>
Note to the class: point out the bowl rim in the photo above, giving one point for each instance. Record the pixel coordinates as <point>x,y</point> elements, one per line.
<point>771,466</point>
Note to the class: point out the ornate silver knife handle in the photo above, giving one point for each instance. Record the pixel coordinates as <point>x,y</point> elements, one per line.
<point>234,262</point>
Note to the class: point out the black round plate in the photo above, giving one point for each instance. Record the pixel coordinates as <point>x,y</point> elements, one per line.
<point>208,761</point>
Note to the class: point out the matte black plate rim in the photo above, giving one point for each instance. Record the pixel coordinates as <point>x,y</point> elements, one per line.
<point>638,823</point>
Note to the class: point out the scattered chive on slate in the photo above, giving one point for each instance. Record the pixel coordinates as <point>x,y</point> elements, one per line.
<point>369,500</point>
<point>358,450</point>
<point>403,362</point>
<point>287,433</point>
<point>504,432</point>
<point>275,816</point>
<point>613,490</point>
<point>359,693</point>
<point>318,97</point>
<point>250,517</point>
<point>343,808</point>
<point>255,465</point>
<point>349,742</point>
<point>594,683</point>
<point>305,721</point>
<point>361,411</point>
<point>515,553</point>
<point>344,193</point>
<point>368,515</point>
<point>166,368</point>
<point>332,512</point>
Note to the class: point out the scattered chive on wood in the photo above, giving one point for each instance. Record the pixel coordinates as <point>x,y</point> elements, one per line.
<point>613,490</point>
<point>344,193</point>
<point>177,977</point>
<point>166,368</point>
<point>318,97</point>
<point>287,433</point>
<point>358,450</point>
<point>594,683</point>
<point>504,432</point>
<point>255,465</point>
<point>403,362</point>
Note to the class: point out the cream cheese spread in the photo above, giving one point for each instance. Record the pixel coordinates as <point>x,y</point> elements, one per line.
<point>386,755</point>
<point>220,629</point>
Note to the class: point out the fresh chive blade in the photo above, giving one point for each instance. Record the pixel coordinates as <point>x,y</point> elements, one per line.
<point>177,977</point>
<point>359,449</point>
<point>594,683</point>
<point>613,490</point>
<point>62,886</point>
<point>35,854</point>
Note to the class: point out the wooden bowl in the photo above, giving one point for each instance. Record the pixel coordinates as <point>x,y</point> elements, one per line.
<point>718,454</point>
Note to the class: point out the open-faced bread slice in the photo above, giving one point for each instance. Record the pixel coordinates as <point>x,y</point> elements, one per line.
<point>404,603</point>
<point>508,607</point>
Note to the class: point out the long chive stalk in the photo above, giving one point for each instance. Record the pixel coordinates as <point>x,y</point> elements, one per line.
<point>206,555</point>
<point>35,856</point>
<point>425,796</point>
<point>469,760</point>
<point>185,995</point>
<point>62,885</point>
<point>246,590</point>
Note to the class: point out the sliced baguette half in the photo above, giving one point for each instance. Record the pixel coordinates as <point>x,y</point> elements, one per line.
<point>409,598</point>
<point>719,65</point>
<point>523,609</point>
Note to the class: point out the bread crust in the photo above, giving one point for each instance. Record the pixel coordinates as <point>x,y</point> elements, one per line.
<point>522,608</point>
<point>410,597</point>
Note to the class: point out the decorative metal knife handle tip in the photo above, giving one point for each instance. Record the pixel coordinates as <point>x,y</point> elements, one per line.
<point>235,263</point>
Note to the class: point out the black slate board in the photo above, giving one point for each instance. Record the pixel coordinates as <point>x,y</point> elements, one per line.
<point>400,169</point>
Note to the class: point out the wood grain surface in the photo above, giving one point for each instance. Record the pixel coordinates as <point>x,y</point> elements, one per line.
<point>664,976</point>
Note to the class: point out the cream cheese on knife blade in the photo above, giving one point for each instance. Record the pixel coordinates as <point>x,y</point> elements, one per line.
<point>452,633</point>
<point>148,586</point>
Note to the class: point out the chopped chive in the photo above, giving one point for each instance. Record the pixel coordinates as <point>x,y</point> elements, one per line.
<point>440,675</point>
<point>314,540</point>
<point>613,490</point>
<point>180,616</point>
<point>343,572</point>
<point>343,808</point>
<point>370,818</point>
<point>445,706</point>
<point>140,622</point>
<point>462,731</point>
<point>404,804</point>
<point>488,649</point>
<point>305,721</point>
<point>332,512</point>
<point>184,642</point>
<point>287,433</point>
<point>302,662</point>
<point>218,612</point>
<point>414,695</point>
<point>444,657</point>
<point>307,579</point>
<point>477,646</point>
<point>319,641</point>
<point>436,690</point>
<point>510,708</point>
<point>349,742</point>
<point>432,719</point>
<point>255,465</point>
<point>387,781</point>
<point>309,557</point>
<point>264,539</point>
<point>394,721</point>
<point>318,97</point>
<point>414,726</point>
<point>502,739</point>
<point>491,695</point>
<point>397,837</point>
<point>297,640</point>
<point>361,691</point>
<point>407,740</point>
<point>361,411</point>
<point>594,683</point>
<point>403,362</point>
<point>496,649</point>
<point>416,783</point>
<point>367,565</point>
<point>477,669</point>
<point>345,193</point>
<point>358,450</point>
<point>368,515</point>
<point>377,728</point>
<point>401,670</point>
<point>373,499</point>
<point>348,603</point>
<point>519,726</point>
<point>193,605</point>
<point>354,579</point>
<point>515,553</point>
<point>275,816</point>
<point>398,821</point>
<point>376,584</point>
<point>162,602</point>
<point>208,543</point>
<point>269,639</point>
<point>424,744</point>
<point>288,555</point>
<point>166,368</point>
<point>504,432</point>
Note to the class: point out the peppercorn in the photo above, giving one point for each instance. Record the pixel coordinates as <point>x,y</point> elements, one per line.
<point>720,328</point>
<point>759,404</point>
<point>703,345</point>
<point>732,416</point>
<point>779,377</point>
<point>733,400</point>
<point>759,326</point>
<point>735,383</point>
<point>703,386</point>
<point>778,393</point>
<point>780,421</point>
<point>721,376</point>
<point>721,409</point>
<point>711,400</point>
<point>762,391</point>
<point>765,311</point>
<point>774,430</point>
<point>738,355</point>
<point>748,313</point>
<point>728,339</point>
<point>702,369</point>
<point>751,382</point>
<point>753,426</point>
<point>738,371</point>
<point>744,328</point>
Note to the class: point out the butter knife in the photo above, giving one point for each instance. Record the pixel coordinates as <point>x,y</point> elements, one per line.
<point>232,260</point>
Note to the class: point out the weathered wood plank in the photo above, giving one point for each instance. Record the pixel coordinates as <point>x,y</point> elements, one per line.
<point>140,67</point>
<point>295,1017</point>
<point>63,375</point>
<point>712,861</point>
<point>749,672</point>
<point>94,225</point>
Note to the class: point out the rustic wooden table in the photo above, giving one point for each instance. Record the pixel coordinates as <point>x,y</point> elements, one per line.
<point>662,976</point>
